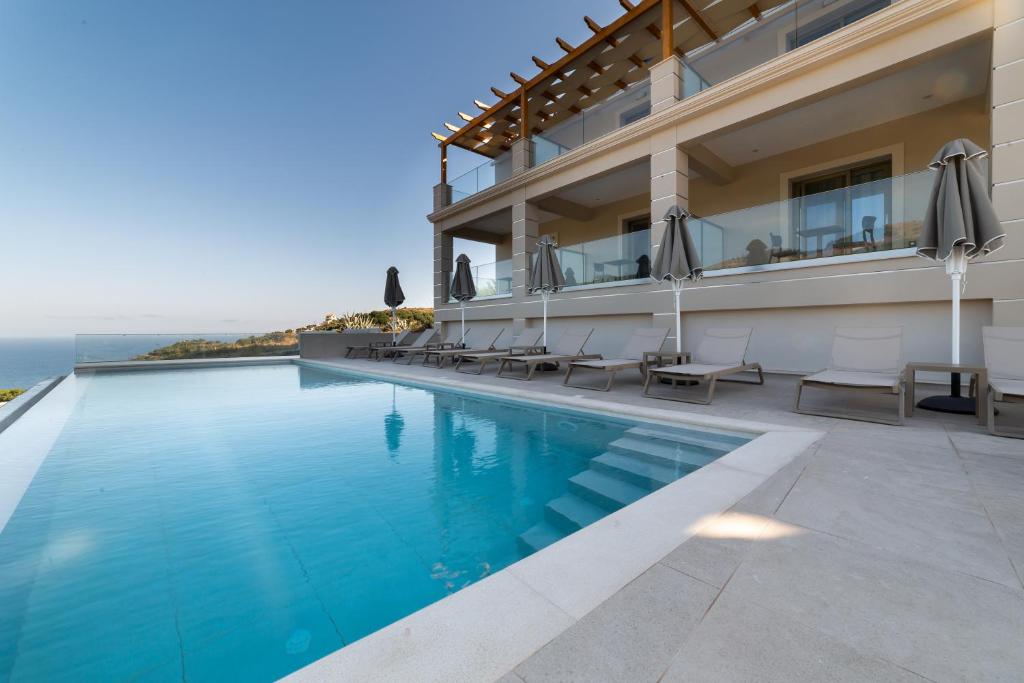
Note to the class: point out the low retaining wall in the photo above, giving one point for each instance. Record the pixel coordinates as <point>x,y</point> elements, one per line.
<point>14,409</point>
<point>335,344</point>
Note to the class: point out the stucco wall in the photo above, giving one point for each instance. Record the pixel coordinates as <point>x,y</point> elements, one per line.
<point>920,136</point>
<point>605,222</point>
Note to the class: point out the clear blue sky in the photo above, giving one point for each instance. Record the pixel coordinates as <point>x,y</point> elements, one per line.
<point>238,166</point>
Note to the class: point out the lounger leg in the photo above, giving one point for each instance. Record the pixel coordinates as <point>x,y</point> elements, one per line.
<point>991,413</point>
<point>901,409</point>
<point>799,390</point>
<point>647,384</point>
<point>532,368</point>
<point>501,367</point>
<point>760,374</point>
<point>611,378</point>
<point>568,374</point>
<point>711,390</point>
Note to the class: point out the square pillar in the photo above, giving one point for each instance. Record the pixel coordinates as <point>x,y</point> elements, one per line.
<point>525,227</point>
<point>666,83</point>
<point>522,155</point>
<point>1008,127</point>
<point>670,182</point>
<point>443,263</point>
<point>442,196</point>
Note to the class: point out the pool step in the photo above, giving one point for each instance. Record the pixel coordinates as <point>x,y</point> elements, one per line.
<point>689,437</point>
<point>605,490</point>
<point>571,513</point>
<point>664,452</point>
<point>538,536</point>
<point>643,473</point>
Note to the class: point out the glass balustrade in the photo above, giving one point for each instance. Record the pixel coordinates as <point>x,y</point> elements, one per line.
<point>485,175</point>
<point>621,109</point>
<point>106,348</point>
<point>491,280</point>
<point>611,259</point>
<point>877,216</point>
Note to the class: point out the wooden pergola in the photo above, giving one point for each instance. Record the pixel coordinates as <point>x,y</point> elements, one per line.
<point>613,58</point>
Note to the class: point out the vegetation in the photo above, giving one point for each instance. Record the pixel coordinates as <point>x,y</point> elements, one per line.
<point>287,342</point>
<point>10,394</point>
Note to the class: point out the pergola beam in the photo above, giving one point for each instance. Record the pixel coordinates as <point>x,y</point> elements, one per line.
<point>697,18</point>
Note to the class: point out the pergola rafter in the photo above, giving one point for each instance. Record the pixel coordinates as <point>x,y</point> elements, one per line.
<point>610,60</point>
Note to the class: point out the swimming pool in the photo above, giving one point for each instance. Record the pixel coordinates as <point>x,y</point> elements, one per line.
<point>240,523</point>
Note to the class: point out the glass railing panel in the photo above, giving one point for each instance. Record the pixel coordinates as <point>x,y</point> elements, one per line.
<point>780,30</point>
<point>487,174</point>
<point>621,109</point>
<point>610,259</point>
<point>877,216</point>
<point>491,279</point>
<point>107,348</point>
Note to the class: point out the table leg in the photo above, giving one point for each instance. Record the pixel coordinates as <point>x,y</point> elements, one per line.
<point>981,397</point>
<point>910,391</point>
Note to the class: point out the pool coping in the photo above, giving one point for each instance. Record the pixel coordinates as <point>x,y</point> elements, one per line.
<point>16,407</point>
<point>485,630</point>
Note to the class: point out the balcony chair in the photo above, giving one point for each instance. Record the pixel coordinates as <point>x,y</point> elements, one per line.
<point>776,251</point>
<point>722,352</point>
<point>642,341</point>
<point>864,359</point>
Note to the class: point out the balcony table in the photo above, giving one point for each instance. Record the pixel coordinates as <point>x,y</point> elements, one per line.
<point>819,234</point>
<point>979,372</point>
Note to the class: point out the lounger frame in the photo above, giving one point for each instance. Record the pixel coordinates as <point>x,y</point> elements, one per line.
<point>993,428</point>
<point>711,378</point>
<point>611,371</point>
<point>533,360</point>
<point>899,392</point>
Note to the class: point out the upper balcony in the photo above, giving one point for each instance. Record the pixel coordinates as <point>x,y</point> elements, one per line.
<point>603,84</point>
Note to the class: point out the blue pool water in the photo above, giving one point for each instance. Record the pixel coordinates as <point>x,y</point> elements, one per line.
<point>240,523</point>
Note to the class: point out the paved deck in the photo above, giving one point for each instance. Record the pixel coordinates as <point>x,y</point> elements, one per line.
<point>883,553</point>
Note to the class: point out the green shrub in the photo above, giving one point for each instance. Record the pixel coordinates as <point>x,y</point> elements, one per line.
<point>10,394</point>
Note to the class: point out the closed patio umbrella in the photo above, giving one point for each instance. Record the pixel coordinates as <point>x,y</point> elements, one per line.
<point>463,288</point>
<point>677,261</point>
<point>960,224</point>
<point>393,298</point>
<point>546,276</point>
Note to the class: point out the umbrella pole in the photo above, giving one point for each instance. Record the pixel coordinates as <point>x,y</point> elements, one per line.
<point>394,323</point>
<point>544,295</point>
<point>677,290</point>
<point>462,308</point>
<point>955,266</point>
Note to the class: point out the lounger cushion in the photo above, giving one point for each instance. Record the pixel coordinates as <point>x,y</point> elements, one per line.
<point>856,379</point>
<point>1007,387</point>
<point>693,369</point>
<point>607,363</point>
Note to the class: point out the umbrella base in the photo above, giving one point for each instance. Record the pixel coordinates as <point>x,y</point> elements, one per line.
<point>959,405</point>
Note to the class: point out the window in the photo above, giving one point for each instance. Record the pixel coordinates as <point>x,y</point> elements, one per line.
<point>843,211</point>
<point>636,244</point>
<point>832,21</point>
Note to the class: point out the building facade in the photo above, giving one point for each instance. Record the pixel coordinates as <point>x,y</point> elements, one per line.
<point>797,134</point>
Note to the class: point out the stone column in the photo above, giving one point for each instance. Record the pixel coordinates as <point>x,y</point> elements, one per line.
<point>1007,92</point>
<point>442,196</point>
<point>666,83</point>
<point>525,227</point>
<point>442,265</point>
<point>522,156</point>
<point>670,186</point>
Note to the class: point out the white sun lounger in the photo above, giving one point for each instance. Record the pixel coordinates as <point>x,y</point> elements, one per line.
<point>425,337</point>
<point>863,359</point>
<point>526,341</point>
<point>569,347</point>
<point>452,339</point>
<point>722,352</point>
<point>643,339</point>
<point>1004,359</point>
<point>441,355</point>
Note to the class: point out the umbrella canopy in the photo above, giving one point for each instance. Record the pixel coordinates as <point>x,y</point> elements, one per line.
<point>677,261</point>
<point>393,297</point>
<point>463,288</point>
<point>960,224</point>
<point>960,212</point>
<point>546,276</point>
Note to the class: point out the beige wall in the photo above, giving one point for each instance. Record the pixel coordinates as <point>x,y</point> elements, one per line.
<point>503,250</point>
<point>606,221</point>
<point>920,135</point>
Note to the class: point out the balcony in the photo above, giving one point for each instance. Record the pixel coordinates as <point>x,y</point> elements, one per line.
<point>621,258</point>
<point>861,221</point>
<point>493,280</point>
<point>479,178</point>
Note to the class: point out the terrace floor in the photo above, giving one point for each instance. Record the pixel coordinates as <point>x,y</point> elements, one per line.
<point>882,553</point>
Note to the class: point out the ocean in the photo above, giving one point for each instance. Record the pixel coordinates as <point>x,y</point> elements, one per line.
<point>25,361</point>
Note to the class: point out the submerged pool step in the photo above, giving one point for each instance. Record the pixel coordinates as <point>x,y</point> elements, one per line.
<point>664,452</point>
<point>571,513</point>
<point>639,472</point>
<point>537,537</point>
<point>605,490</point>
<point>710,440</point>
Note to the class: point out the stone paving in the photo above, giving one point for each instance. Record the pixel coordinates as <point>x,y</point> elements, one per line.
<point>882,553</point>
